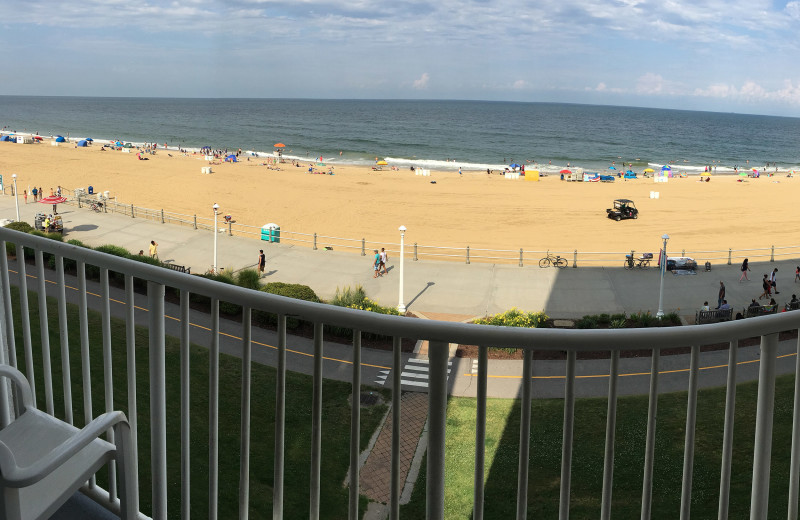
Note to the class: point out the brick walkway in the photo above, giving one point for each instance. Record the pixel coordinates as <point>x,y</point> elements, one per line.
<point>375,477</point>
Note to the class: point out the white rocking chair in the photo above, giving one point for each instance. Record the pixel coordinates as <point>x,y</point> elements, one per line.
<point>44,461</point>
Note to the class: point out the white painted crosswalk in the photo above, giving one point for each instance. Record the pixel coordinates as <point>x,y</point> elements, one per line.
<point>415,373</point>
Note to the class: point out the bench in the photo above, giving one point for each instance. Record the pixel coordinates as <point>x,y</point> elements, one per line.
<point>179,268</point>
<point>753,312</point>
<point>713,316</point>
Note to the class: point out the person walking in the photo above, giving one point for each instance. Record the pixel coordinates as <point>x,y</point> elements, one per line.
<point>745,268</point>
<point>262,262</point>
<point>766,286</point>
<point>721,296</point>
<point>153,249</point>
<point>25,196</point>
<point>772,280</point>
<point>34,192</point>
<point>384,259</point>
<point>376,264</point>
<point>41,193</point>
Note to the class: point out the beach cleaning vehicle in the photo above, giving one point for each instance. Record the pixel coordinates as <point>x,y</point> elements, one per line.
<point>623,208</point>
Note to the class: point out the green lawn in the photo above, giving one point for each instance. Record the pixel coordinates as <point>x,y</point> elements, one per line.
<point>502,445</point>
<point>336,419</point>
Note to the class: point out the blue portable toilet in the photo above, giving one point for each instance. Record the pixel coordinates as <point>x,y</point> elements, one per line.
<point>91,190</point>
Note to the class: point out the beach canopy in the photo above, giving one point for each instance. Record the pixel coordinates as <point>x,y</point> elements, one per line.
<point>381,163</point>
<point>5,138</point>
<point>83,143</point>
<point>565,171</point>
<point>705,174</point>
<point>60,139</point>
<point>231,158</point>
<point>280,145</point>
<point>648,170</point>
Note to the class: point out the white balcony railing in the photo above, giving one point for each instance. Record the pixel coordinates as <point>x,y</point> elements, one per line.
<point>439,334</point>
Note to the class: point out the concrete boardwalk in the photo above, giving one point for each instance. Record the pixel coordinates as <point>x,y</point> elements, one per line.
<point>437,288</point>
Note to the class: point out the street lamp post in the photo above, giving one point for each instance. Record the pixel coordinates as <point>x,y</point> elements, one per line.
<point>16,197</point>
<point>660,313</point>
<point>216,211</point>
<point>401,306</point>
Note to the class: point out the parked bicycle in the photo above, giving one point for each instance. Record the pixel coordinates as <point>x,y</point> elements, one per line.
<point>556,261</point>
<point>641,262</point>
<point>97,206</point>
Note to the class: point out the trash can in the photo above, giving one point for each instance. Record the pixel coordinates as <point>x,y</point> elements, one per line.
<point>91,190</point>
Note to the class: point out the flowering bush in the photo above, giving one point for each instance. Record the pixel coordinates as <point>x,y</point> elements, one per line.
<point>515,318</point>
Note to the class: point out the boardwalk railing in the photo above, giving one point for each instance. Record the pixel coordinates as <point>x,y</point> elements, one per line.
<point>519,256</point>
<point>440,335</point>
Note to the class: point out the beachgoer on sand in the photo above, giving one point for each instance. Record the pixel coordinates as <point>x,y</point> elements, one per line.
<point>153,249</point>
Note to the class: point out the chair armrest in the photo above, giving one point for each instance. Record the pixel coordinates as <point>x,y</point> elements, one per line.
<point>21,381</point>
<point>20,477</point>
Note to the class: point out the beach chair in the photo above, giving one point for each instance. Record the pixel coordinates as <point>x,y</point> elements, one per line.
<point>44,461</point>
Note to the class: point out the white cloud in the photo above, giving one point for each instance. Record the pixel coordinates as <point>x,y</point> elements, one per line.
<point>752,92</point>
<point>793,10</point>
<point>422,82</point>
<point>520,84</point>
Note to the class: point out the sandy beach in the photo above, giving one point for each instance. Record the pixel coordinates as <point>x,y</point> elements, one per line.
<point>475,209</point>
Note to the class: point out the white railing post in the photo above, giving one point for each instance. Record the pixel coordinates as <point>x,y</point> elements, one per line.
<point>794,466</point>
<point>611,428</point>
<point>759,497</point>
<point>567,434</point>
<point>727,434</point>
<point>316,426</point>
<point>650,442</point>
<point>437,419</point>
<point>480,434</point>
<point>688,446</point>
<point>280,420</point>
<point>158,400</point>
<point>524,436</point>
<point>355,428</point>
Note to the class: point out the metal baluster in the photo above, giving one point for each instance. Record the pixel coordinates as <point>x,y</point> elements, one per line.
<point>130,350</point>
<point>649,450</point>
<point>524,436</point>
<point>244,449</point>
<point>611,429</point>
<point>566,444</point>
<point>63,334</point>
<point>108,378</point>
<point>355,427</point>
<point>280,419</point>
<point>691,421</point>
<point>186,501</point>
<point>759,498</point>
<point>316,425</point>
<point>480,434</point>
<point>397,395</point>
<point>8,312</point>
<point>437,420</point>
<point>213,414</point>
<point>25,315</point>
<point>158,400</point>
<point>794,466</point>
<point>86,367</point>
<point>5,387</point>
<point>44,333</point>
<point>727,435</point>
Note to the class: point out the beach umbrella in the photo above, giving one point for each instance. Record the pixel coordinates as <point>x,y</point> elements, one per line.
<point>280,145</point>
<point>706,174</point>
<point>565,171</point>
<point>53,199</point>
<point>82,143</point>
<point>231,158</point>
<point>611,168</point>
<point>60,139</point>
<point>89,139</point>
<point>648,170</point>
<point>515,165</point>
<point>127,145</point>
<point>665,168</point>
<point>320,164</point>
<point>381,163</point>
<point>38,137</point>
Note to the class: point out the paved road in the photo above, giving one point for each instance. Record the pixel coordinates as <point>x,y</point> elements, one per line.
<point>450,287</point>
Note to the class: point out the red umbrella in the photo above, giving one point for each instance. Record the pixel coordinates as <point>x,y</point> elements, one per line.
<point>565,171</point>
<point>37,137</point>
<point>53,199</point>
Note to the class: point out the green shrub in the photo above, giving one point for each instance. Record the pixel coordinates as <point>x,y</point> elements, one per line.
<point>113,250</point>
<point>587,322</point>
<point>515,318</point>
<point>292,290</point>
<point>671,318</point>
<point>604,319</point>
<point>348,297</point>
<point>617,317</point>
<point>356,298</point>
<point>19,226</point>
<point>225,276</point>
<point>643,319</point>
<point>249,279</point>
<point>618,324</point>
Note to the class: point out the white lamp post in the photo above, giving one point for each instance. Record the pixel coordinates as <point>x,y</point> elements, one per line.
<point>660,313</point>
<point>401,306</point>
<point>216,211</point>
<point>16,197</point>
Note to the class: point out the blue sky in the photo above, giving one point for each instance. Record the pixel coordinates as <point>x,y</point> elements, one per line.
<point>719,55</point>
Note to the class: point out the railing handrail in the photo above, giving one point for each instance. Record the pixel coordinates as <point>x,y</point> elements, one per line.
<point>536,339</point>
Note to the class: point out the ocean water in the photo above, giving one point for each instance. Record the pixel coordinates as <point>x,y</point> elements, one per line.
<point>473,135</point>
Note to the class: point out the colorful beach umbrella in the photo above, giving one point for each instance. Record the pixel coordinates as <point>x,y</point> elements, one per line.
<point>565,171</point>
<point>53,199</point>
<point>665,168</point>
<point>381,163</point>
<point>280,145</point>
<point>648,170</point>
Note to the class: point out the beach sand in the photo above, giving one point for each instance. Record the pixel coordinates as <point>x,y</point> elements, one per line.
<point>476,209</point>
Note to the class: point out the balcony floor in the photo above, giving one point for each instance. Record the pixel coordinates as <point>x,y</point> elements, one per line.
<point>84,508</point>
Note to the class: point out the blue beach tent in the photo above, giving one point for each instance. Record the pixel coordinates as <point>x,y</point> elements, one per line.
<point>60,139</point>
<point>231,158</point>
<point>5,138</point>
<point>83,143</point>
